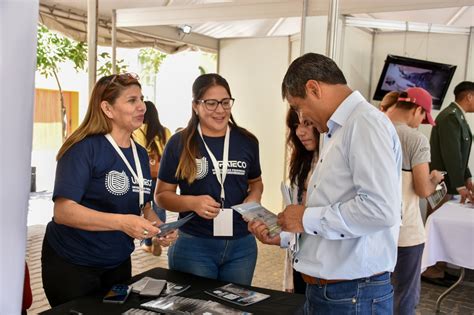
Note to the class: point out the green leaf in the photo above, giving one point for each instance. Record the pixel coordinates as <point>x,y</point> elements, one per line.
<point>150,60</point>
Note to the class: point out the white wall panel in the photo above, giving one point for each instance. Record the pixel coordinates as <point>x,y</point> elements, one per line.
<point>17,64</point>
<point>254,69</point>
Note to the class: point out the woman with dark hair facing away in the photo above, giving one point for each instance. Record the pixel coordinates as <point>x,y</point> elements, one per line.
<point>152,135</point>
<point>102,187</point>
<point>303,141</point>
<point>216,165</point>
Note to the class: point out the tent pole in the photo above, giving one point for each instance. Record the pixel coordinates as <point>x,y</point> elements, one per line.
<point>332,29</point>
<point>468,74</point>
<point>114,41</point>
<point>303,27</point>
<point>92,8</point>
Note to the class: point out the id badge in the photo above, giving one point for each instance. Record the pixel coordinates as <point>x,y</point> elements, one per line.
<point>223,223</point>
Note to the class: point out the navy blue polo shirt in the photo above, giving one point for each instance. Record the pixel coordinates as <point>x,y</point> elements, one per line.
<point>92,174</point>
<point>243,165</point>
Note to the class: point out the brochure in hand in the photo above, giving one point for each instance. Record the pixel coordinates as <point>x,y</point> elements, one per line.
<point>183,305</point>
<point>255,211</point>
<point>435,198</point>
<point>237,295</point>
<point>166,228</point>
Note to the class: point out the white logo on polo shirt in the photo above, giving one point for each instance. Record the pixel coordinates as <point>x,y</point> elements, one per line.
<point>202,167</point>
<point>117,183</point>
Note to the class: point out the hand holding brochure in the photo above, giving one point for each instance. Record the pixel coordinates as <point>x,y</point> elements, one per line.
<point>255,211</point>
<point>166,228</point>
<point>435,198</point>
<point>237,295</point>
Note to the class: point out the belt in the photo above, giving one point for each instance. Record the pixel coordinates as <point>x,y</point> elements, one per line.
<point>319,281</point>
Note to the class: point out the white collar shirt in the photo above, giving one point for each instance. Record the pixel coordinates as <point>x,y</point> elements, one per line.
<point>353,206</point>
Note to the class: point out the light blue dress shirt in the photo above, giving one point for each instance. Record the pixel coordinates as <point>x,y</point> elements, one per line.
<point>353,204</point>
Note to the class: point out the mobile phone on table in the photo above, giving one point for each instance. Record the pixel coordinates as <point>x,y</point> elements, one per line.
<point>117,294</point>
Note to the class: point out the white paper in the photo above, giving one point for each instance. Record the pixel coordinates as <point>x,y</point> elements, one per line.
<point>223,223</point>
<point>285,192</point>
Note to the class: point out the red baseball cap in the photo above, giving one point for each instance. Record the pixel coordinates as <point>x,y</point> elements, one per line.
<point>422,98</point>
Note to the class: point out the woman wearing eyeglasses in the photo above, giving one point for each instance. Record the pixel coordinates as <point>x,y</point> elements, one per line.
<point>215,164</point>
<point>103,185</point>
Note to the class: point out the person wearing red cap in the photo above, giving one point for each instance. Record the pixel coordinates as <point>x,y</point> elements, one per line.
<point>413,108</point>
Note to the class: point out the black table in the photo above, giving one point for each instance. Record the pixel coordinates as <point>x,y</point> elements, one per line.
<point>278,303</point>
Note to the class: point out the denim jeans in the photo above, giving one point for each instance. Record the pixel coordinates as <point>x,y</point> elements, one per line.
<point>406,279</point>
<point>161,213</point>
<point>373,295</point>
<point>226,260</point>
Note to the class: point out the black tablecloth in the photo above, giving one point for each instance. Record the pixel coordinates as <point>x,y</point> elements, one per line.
<point>278,303</point>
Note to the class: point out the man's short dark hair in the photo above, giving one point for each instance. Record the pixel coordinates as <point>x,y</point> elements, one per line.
<point>462,89</point>
<point>310,66</point>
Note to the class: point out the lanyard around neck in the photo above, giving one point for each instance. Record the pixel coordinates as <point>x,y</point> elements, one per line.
<point>225,159</point>
<point>138,175</point>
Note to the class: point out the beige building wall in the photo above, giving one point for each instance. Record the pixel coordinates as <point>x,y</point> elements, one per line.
<point>254,69</point>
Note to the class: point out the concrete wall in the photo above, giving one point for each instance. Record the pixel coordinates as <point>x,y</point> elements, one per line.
<point>254,69</point>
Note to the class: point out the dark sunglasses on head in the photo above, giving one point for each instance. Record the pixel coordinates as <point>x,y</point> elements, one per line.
<point>122,77</point>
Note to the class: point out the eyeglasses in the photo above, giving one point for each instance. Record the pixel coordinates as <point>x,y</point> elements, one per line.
<point>123,77</point>
<point>211,104</point>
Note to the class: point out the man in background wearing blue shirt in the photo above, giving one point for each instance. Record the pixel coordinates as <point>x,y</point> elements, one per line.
<point>349,226</point>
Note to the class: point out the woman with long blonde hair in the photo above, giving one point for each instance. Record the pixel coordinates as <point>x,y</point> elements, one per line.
<point>102,187</point>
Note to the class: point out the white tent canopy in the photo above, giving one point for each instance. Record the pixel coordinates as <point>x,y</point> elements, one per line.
<point>157,22</point>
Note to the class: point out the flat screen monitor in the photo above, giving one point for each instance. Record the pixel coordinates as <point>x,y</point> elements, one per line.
<point>400,73</point>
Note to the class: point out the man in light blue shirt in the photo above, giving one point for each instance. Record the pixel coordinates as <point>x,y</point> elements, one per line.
<point>350,223</point>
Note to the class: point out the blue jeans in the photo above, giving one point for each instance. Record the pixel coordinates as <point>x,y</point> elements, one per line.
<point>161,213</point>
<point>373,295</point>
<point>406,279</point>
<point>226,260</point>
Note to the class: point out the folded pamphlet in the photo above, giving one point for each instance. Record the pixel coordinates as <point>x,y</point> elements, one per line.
<point>169,289</point>
<point>255,211</point>
<point>435,198</point>
<point>172,289</point>
<point>237,295</point>
<point>166,228</point>
<point>137,286</point>
<point>183,305</point>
